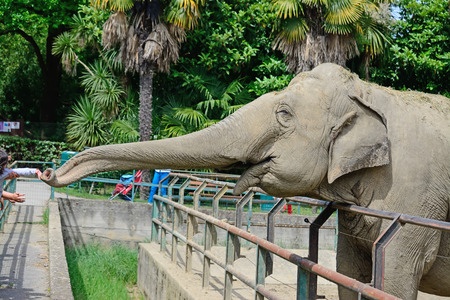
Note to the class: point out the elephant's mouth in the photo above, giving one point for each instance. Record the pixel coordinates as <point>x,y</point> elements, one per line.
<point>240,166</point>
<point>252,174</point>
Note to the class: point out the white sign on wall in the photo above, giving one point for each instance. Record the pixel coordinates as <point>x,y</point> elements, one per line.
<point>6,126</point>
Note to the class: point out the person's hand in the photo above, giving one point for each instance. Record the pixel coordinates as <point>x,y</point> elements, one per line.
<point>18,197</point>
<point>38,173</point>
<point>12,175</point>
<point>14,197</point>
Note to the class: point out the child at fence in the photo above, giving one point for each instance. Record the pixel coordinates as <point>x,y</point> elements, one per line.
<point>7,173</point>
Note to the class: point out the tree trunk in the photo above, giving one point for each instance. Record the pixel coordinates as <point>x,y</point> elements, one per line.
<point>52,79</point>
<point>145,117</point>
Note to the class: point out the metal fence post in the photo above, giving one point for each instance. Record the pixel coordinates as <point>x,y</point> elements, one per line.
<point>216,199</point>
<point>271,232</point>
<point>189,237</point>
<point>313,251</point>
<point>231,256</point>
<point>378,252</point>
<point>260,269</point>
<point>206,260</point>
<point>197,194</point>
<point>155,215</point>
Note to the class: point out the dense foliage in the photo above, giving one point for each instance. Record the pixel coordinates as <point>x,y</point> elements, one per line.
<point>223,64</point>
<point>30,85</point>
<point>419,57</point>
<point>32,150</point>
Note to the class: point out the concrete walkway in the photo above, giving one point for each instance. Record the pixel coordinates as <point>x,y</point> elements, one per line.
<point>24,251</point>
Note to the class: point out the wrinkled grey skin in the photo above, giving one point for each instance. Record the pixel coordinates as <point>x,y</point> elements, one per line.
<point>332,136</point>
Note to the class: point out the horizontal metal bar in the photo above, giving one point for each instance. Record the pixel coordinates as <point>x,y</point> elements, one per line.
<point>403,218</point>
<point>333,276</point>
<point>208,253</point>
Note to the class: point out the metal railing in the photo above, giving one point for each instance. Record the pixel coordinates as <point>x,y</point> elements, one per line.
<point>7,205</point>
<point>307,277</point>
<point>380,244</point>
<point>165,210</point>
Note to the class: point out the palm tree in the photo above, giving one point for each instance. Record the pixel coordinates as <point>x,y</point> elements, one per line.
<point>149,34</point>
<point>312,32</point>
<point>87,126</point>
<point>107,103</point>
<point>210,101</point>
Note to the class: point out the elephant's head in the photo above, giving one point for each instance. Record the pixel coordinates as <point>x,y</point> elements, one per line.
<point>318,128</point>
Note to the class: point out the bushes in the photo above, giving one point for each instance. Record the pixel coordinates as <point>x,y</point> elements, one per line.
<point>32,150</point>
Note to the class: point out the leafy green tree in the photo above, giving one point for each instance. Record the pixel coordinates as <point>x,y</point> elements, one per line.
<point>38,23</point>
<point>225,63</point>
<point>313,32</point>
<point>206,101</point>
<point>106,93</point>
<point>419,57</point>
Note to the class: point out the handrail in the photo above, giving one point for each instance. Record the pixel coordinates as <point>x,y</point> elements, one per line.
<point>402,218</point>
<point>399,220</point>
<point>10,187</point>
<point>160,230</point>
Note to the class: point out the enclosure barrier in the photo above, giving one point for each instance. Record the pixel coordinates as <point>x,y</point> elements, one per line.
<point>160,229</point>
<point>6,204</point>
<point>10,186</point>
<point>398,220</point>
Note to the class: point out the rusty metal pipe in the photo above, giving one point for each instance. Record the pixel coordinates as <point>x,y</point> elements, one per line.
<point>333,276</point>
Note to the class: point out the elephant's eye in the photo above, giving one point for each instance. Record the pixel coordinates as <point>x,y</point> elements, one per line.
<point>284,115</point>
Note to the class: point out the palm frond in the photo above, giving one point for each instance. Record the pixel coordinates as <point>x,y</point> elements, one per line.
<point>100,78</point>
<point>115,30</point>
<point>230,110</point>
<point>124,131</point>
<point>190,116</point>
<point>109,98</point>
<point>370,35</point>
<point>209,105</point>
<point>287,9</point>
<point>317,3</point>
<point>161,48</point>
<point>112,59</point>
<point>65,45</point>
<point>115,5</point>
<point>86,125</point>
<point>294,30</point>
<point>344,12</point>
<point>184,13</point>
<point>342,29</point>
<point>129,51</point>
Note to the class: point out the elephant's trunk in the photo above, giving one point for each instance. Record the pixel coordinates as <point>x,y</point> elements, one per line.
<point>218,146</point>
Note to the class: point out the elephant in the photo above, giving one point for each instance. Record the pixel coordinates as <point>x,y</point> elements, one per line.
<point>331,136</point>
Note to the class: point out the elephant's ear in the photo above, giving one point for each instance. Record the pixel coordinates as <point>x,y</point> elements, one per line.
<point>358,140</point>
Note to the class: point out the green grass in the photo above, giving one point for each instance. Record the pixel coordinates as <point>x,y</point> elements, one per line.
<point>100,272</point>
<point>45,215</point>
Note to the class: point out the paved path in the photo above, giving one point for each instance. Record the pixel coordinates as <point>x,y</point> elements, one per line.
<point>24,264</point>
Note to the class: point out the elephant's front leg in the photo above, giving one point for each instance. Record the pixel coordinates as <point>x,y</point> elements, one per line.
<point>352,261</point>
<point>407,257</point>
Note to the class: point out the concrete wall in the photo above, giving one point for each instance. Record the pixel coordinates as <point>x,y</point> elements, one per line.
<point>291,231</point>
<point>84,221</point>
